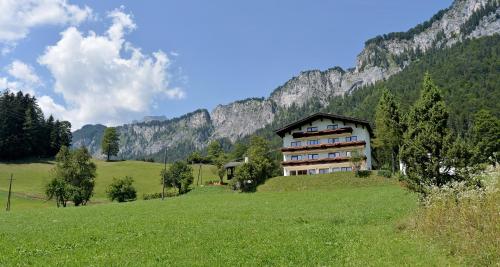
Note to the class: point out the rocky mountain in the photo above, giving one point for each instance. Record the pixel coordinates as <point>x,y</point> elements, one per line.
<point>382,57</point>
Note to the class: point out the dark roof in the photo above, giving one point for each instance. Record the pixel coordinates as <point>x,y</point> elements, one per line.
<point>233,164</point>
<point>281,132</point>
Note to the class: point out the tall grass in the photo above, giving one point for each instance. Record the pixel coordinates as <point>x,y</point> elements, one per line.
<point>464,220</point>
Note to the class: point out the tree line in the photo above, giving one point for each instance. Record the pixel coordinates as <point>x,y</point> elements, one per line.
<point>24,131</point>
<point>430,152</point>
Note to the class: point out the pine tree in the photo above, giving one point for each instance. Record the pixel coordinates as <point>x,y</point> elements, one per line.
<point>388,128</point>
<point>110,145</point>
<point>486,137</point>
<point>424,141</point>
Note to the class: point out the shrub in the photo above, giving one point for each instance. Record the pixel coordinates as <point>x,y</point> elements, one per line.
<point>464,218</point>
<point>122,190</point>
<point>158,195</point>
<point>179,175</point>
<point>384,173</point>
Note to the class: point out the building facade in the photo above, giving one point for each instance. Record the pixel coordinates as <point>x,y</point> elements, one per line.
<point>324,143</point>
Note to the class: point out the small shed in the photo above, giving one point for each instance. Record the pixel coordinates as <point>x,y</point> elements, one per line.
<point>230,167</point>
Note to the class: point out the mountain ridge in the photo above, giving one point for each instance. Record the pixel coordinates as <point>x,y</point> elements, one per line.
<point>382,57</point>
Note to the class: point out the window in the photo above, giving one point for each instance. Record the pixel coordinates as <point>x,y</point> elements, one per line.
<point>312,142</point>
<point>348,153</point>
<point>313,156</point>
<point>335,169</point>
<point>334,155</point>
<point>296,143</point>
<point>312,129</point>
<point>311,171</point>
<point>301,172</point>
<point>346,169</point>
<point>293,173</point>
<point>296,157</point>
<point>323,171</point>
<point>333,140</point>
<point>351,138</point>
<point>332,127</point>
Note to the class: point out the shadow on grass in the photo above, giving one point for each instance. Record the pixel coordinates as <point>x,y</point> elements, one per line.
<point>49,161</point>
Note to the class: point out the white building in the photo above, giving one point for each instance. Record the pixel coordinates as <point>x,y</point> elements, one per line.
<point>323,143</point>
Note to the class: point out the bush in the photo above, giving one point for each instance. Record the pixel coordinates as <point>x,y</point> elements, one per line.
<point>384,173</point>
<point>465,219</point>
<point>158,195</point>
<point>122,190</point>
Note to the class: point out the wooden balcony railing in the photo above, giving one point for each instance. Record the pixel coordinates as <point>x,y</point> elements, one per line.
<point>323,146</point>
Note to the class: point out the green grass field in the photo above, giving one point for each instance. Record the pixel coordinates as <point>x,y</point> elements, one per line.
<point>31,178</point>
<point>325,220</point>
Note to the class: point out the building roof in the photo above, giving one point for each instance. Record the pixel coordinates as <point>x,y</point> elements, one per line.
<point>233,164</point>
<point>281,132</point>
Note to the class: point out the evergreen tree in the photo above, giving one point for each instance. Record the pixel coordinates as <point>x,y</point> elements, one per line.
<point>388,129</point>
<point>486,137</point>
<point>424,141</point>
<point>110,145</point>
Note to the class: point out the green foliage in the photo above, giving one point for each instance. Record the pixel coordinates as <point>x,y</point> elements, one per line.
<point>219,163</point>
<point>468,75</point>
<point>465,220</point>
<point>195,157</point>
<point>486,137</point>
<point>238,151</point>
<point>479,14</point>
<point>25,133</point>
<point>356,161</point>
<point>59,190</point>
<point>423,149</point>
<point>388,129</point>
<point>72,177</point>
<point>214,150</point>
<point>110,142</point>
<point>179,175</point>
<point>249,175</point>
<point>122,190</point>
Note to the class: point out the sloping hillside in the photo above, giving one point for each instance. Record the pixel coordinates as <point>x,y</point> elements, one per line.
<point>346,225</point>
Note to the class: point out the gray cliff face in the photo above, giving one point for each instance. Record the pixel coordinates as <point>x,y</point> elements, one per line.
<point>142,139</point>
<point>381,58</point>
<point>241,118</point>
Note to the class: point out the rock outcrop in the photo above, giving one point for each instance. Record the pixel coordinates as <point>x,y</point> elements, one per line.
<point>382,57</point>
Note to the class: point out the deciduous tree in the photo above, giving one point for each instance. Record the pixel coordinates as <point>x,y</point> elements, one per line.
<point>110,142</point>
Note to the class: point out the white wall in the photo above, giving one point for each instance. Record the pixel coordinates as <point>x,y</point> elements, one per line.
<point>360,131</point>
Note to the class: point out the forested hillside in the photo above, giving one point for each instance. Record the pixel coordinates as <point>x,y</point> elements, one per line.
<point>468,75</point>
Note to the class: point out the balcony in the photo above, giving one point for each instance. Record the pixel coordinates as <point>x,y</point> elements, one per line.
<point>323,146</point>
<point>316,161</point>
<point>322,132</point>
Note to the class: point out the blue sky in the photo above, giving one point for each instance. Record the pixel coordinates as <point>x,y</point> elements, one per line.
<point>172,57</point>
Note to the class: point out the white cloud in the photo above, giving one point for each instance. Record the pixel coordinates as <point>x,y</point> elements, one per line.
<point>50,107</point>
<point>23,78</point>
<point>103,78</point>
<point>19,16</point>
<point>23,72</point>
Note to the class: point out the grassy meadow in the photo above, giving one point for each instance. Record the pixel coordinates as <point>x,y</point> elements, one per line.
<point>31,177</point>
<point>326,220</point>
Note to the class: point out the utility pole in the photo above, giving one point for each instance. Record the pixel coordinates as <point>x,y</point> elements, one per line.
<point>10,192</point>
<point>164,173</point>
